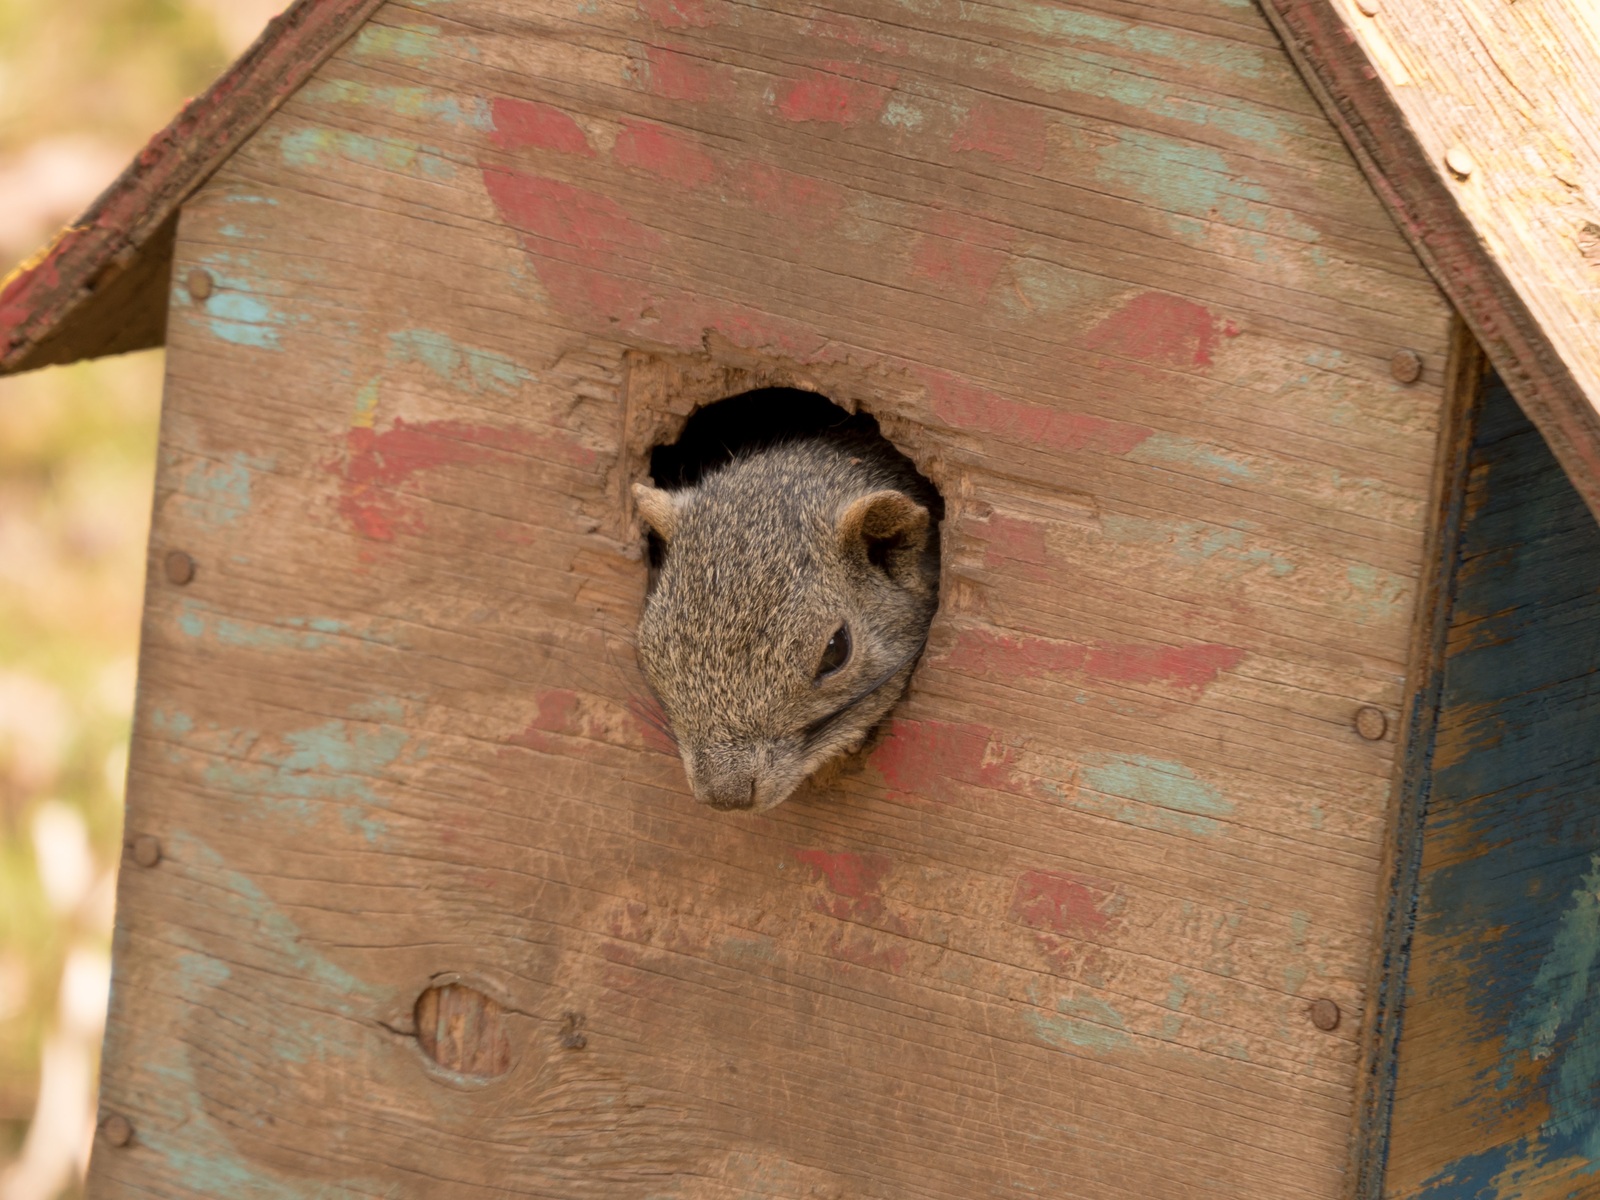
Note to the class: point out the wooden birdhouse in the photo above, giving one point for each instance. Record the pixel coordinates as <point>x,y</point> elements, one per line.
<point>1236,835</point>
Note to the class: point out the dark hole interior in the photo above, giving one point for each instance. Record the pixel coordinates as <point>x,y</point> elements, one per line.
<point>753,421</point>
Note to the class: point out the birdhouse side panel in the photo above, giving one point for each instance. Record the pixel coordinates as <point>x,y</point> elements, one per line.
<point>1495,1078</point>
<point>435,911</point>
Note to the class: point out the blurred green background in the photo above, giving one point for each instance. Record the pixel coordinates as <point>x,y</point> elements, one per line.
<point>83,84</point>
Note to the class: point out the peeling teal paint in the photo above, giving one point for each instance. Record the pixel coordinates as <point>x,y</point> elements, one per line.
<point>900,113</point>
<point>198,620</point>
<point>1086,1024</point>
<point>1150,41</point>
<point>1181,800</point>
<point>1210,462</point>
<point>416,42</point>
<point>309,149</point>
<point>415,102</point>
<point>218,493</point>
<point>1197,543</point>
<point>464,368</point>
<point>1040,288</point>
<point>1377,595</point>
<point>1088,73</point>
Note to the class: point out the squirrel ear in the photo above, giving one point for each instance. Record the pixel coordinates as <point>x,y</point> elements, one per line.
<point>659,510</point>
<point>890,530</point>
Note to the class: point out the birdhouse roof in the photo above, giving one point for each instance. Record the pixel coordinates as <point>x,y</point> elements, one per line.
<point>1475,127</point>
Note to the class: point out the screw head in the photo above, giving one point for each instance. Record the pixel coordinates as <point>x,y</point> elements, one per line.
<point>1459,161</point>
<point>146,850</point>
<point>1371,723</point>
<point>179,567</point>
<point>200,283</point>
<point>1325,1014</point>
<point>1406,366</point>
<point>117,1130</point>
<point>1369,8</point>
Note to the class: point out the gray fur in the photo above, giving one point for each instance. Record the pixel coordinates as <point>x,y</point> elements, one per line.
<point>756,578</point>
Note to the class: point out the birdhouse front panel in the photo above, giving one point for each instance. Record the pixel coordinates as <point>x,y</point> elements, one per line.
<point>425,906</point>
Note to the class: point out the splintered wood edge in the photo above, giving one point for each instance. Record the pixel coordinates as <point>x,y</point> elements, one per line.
<point>1391,948</point>
<point>1354,98</point>
<point>100,287</point>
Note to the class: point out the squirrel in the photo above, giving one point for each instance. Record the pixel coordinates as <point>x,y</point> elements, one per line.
<point>797,582</point>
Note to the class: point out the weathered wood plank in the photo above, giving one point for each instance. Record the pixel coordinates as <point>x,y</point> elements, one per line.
<point>1494,1084</point>
<point>1114,284</point>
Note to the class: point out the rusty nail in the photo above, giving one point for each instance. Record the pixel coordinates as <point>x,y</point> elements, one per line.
<point>1371,723</point>
<point>146,850</point>
<point>1406,366</point>
<point>117,1130</point>
<point>200,283</point>
<point>572,1037</point>
<point>1459,161</point>
<point>179,567</point>
<point>1325,1014</point>
<point>1369,8</point>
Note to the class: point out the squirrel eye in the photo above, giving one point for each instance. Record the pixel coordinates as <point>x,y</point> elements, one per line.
<point>835,655</point>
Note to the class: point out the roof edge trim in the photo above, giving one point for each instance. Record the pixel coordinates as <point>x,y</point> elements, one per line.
<point>1355,99</point>
<point>42,295</point>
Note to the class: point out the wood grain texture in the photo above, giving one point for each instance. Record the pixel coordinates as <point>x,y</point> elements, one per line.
<point>1496,1076</point>
<point>1111,279</point>
<point>1515,244</point>
<point>100,286</point>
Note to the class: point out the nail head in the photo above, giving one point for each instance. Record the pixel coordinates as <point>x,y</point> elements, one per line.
<point>200,283</point>
<point>117,1130</point>
<point>146,850</point>
<point>1369,8</point>
<point>1325,1015</point>
<point>1371,723</point>
<point>1406,366</point>
<point>1459,161</point>
<point>179,567</point>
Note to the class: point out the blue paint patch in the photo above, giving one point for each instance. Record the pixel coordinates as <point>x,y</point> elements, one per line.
<point>1511,919</point>
<point>418,103</point>
<point>1209,462</point>
<point>310,149</point>
<point>1185,50</point>
<point>1152,793</point>
<point>1377,595</point>
<point>199,620</point>
<point>465,368</point>
<point>218,493</point>
<point>1197,543</point>
<point>1086,1024</point>
<point>416,42</point>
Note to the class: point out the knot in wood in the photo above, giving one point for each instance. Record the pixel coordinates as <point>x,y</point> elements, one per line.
<point>463,1031</point>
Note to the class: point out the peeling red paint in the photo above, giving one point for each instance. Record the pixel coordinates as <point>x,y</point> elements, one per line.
<point>680,14</point>
<point>18,299</point>
<point>558,712</point>
<point>574,219</point>
<point>1013,544</point>
<point>374,464</point>
<point>664,154</point>
<point>1062,902</point>
<point>929,760</point>
<point>675,76</point>
<point>1162,330</point>
<point>963,254</point>
<point>1193,666</point>
<point>831,98</point>
<point>788,198</point>
<point>1009,133</point>
<point>967,406</point>
<point>862,949</point>
<point>853,879</point>
<point>523,123</point>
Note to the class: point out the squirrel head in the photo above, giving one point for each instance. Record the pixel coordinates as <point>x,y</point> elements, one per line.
<point>793,600</point>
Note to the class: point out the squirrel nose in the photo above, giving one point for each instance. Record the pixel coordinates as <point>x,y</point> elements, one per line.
<point>724,777</point>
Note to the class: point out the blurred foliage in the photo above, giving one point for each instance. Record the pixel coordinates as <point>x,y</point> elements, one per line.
<point>77,462</point>
<point>114,69</point>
